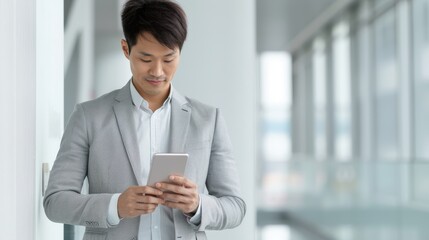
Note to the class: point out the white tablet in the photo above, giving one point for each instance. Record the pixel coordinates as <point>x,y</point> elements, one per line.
<point>166,164</point>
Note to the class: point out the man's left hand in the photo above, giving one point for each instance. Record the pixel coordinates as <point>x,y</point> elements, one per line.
<point>180,193</point>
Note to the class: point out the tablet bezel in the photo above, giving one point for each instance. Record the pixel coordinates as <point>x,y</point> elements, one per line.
<point>166,164</point>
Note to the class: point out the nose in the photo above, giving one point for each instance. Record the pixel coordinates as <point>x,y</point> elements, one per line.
<point>156,69</point>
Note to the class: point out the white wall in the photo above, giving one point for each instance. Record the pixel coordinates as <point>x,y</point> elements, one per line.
<point>80,26</point>
<point>25,68</point>
<point>112,69</point>
<point>218,67</point>
<point>17,120</point>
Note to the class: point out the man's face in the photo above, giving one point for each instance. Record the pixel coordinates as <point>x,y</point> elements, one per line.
<point>152,65</point>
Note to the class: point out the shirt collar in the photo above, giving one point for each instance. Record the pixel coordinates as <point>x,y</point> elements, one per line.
<point>140,102</point>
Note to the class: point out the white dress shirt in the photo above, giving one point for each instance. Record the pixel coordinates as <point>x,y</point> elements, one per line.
<point>152,130</point>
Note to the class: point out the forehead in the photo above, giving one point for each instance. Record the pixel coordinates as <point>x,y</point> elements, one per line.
<point>147,43</point>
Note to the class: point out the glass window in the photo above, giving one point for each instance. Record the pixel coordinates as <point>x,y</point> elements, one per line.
<point>276,143</point>
<point>421,73</point>
<point>303,143</point>
<point>276,105</point>
<point>365,92</point>
<point>342,92</point>
<point>386,89</point>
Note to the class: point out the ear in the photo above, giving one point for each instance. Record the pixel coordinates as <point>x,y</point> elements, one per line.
<point>125,49</point>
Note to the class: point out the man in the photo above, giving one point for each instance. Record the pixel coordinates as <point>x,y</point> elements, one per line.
<point>111,140</point>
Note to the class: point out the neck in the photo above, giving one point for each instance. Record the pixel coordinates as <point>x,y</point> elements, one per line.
<point>155,101</point>
<point>154,105</point>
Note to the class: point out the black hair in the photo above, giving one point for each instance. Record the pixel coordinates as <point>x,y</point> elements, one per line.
<point>163,19</point>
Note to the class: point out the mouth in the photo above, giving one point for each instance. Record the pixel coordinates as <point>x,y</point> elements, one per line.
<point>155,82</point>
<point>155,79</point>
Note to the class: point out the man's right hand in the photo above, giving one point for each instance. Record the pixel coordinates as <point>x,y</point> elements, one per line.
<point>138,200</point>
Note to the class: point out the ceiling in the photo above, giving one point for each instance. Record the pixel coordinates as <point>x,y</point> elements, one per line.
<point>280,21</point>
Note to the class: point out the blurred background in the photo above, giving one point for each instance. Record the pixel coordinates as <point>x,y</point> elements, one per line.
<point>324,101</point>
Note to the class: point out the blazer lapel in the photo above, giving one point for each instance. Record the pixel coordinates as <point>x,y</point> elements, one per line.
<point>180,117</point>
<point>123,109</point>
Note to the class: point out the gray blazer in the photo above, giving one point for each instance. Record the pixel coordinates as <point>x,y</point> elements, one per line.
<point>100,143</point>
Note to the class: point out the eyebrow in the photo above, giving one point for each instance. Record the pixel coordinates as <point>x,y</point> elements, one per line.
<point>150,55</point>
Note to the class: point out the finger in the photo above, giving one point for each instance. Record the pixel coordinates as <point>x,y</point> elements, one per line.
<point>150,199</point>
<point>171,197</point>
<point>146,190</point>
<point>183,181</point>
<point>142,212</point>
<point>145,207</point>
<point>186,208</point>
<point>172,188</point>
<point>137,210</point>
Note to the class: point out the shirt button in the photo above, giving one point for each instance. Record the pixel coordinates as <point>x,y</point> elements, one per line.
<point>156,227</point>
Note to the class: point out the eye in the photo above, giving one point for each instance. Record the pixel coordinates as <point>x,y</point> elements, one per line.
<point>144,60</point>
<point>168,61</point>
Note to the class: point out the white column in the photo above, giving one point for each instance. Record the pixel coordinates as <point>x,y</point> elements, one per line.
<point>404,50</point>
<point>405,99</point>
<point>17,121</point>
<point>7,120</point>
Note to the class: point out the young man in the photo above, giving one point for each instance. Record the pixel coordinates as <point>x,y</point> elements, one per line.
<point>111,141</point>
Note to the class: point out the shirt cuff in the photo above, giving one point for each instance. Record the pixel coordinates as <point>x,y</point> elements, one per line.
<point>196,219</point>
<point>113,217</point>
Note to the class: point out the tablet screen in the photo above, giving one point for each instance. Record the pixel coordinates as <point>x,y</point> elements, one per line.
<point>166,164</point>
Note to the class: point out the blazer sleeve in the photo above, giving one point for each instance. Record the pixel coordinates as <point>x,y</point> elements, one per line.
<point>223,207</point>
<point>63,200</point>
